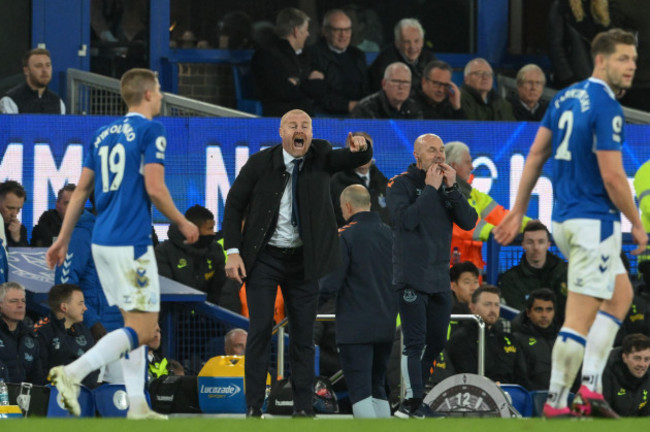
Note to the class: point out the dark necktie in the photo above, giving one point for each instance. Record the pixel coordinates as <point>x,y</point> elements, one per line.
<point>295,210</point>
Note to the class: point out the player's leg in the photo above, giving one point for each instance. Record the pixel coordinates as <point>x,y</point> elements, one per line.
<point>114,266</point>
<point>581,309</point>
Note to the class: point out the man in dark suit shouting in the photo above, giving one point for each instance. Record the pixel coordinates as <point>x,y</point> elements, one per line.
<point>289,238</point>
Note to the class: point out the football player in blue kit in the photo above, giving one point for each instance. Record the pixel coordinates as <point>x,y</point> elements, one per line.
<point>125,168</point>
<point>582,132</point>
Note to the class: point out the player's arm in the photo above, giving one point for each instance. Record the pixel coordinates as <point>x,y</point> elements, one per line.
<point>154,181</point>
<point>56,253</point>
<point>610,163</point>
<point>539,153</point>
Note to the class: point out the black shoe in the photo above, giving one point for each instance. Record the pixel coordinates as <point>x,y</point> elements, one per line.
<point>253,412</point>
<point>303,413</point>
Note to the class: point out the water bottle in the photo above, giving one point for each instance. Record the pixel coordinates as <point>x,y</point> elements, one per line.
<point>455,256</point>
<point>4,393</point>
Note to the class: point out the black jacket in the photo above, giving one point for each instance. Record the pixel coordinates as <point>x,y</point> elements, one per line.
<point>272,66</point>
<point>376,106</point>
<point>376,188</point>
<point>423,219</point>
<point>637,319</point>
<point>48,226</point>
<point>197,267</point>
<point>366,304</point>
<point>389,55</point>
<point>537,345</point>
<point>434,111</point>
<point>29,102</point>
<point>626,394</point>
<point>255,197</point>
<point>516,283</point>
<point>59,346</point>
<point>19,356</point>
<point>23,237</point>
<point>342,85</point>
<point>504,359</point>
<point>522,114</point>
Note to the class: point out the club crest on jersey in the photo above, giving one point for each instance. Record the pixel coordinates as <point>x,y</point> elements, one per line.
<point>409,295</point>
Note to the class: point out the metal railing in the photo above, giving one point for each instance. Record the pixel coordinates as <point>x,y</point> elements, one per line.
<point>93,94</point>
<point>279,328</point>
<point>507,85</point>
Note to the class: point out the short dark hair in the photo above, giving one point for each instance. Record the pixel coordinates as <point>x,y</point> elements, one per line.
<point>33,52</point>
<point>436,64</point>
<point>635,342</point>
<point>485,289</point>
<point>70,187</point>
<point>536,225</point>
<point>544,294</point>
<point>288,19</point>
<point>605,42</point>
<point>198,214</point>
<point>14,187</point>
<point>463,267</point>
<point>60,293</point>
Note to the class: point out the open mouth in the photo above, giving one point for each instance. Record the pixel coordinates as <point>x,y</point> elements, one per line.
<point>299,140</point>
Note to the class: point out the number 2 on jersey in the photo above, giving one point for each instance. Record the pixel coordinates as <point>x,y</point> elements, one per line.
<point>113,162</point>
<point>566,124</point>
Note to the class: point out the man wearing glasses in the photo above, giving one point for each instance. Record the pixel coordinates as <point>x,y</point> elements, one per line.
<point>478,99</point>
<point>344,66</point>
<point>393,100</point>
<point>527,104</point>
<point>439,97</point>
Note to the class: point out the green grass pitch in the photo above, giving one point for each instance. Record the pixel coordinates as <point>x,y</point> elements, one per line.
<point>321,425</point>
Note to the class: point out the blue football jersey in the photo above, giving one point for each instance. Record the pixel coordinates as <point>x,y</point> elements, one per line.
<point>583,118</point>
<point>117,155</point>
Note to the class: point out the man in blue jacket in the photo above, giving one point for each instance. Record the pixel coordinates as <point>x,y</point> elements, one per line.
<point>424,203</point>
<point>366,302</point>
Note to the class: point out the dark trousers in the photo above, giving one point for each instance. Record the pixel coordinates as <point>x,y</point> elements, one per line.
<point>425,319</point>
<point>271,269</point>
<point>364,368</point>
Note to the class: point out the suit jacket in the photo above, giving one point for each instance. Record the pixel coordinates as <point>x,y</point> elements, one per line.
<point>255,197</point>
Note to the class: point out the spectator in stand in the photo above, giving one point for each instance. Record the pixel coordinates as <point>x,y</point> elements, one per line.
<point>642,189</point>
<point>439,97</point>
<point>538,268</point>
<point>478,99</point>
<point>393,100</point>
<point>469,243</point>
<point>235,342</point>
<point>62,336</point>
<point>626,382</point>
<point>198,265</point>
<point>78,268</point>
<point>527,104</point>
<point>367,175</point>
<point>536,330</point>
<point>408,48</point>
<point>19,359</point>
<point>344,66</point>
<point>504,359</point>
<point>49,224</point>
<point>33,96</point>
<point>284,79</point>
<point>12,200</point>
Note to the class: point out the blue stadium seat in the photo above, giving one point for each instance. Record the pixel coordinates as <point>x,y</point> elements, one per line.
<point>86,402</point>
<point>539,399</point>
<point>245,90</point>
<point>111,400</point>
<point>521,399</point>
